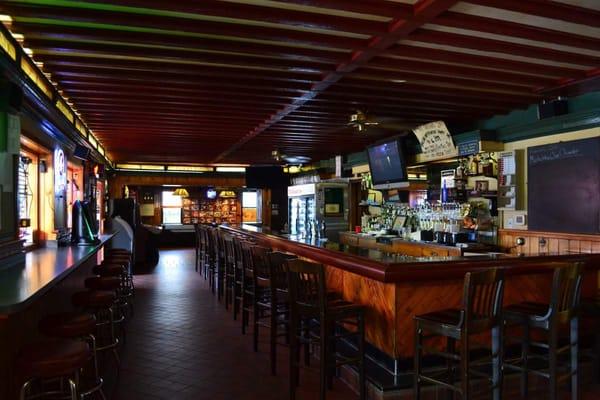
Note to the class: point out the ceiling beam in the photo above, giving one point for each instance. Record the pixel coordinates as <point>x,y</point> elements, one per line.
<point>400,27</point>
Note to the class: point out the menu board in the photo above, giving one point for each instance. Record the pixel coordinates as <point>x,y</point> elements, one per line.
<point>564,186</point>
<point>205,211</point>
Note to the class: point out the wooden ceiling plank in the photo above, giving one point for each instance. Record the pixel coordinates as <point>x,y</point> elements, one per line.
<point>546,9</point>
<point>400,27</point>
<point>503,47</point>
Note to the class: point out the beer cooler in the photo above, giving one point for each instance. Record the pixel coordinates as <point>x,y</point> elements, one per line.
<point>325,201</point>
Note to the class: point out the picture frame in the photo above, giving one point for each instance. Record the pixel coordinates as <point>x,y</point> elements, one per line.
<point>482,186</point>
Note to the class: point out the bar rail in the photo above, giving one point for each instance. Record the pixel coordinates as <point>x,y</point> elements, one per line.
<point>396,268</point>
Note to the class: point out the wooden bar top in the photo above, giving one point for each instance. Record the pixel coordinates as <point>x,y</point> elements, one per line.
<point>389,267</point>
<point>43,269</point>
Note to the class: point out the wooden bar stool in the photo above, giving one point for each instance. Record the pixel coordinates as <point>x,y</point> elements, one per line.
<point>50,360</point>
<point>278,302</point>
<point>590,308</point>
<point>481,312</point>
<point>101,303</point>
<point>238,274</point>
<point>76,325</point>
<point>229,268</point>
<point>247,284</point>
<point>562,310</point>
<point>309,302</point>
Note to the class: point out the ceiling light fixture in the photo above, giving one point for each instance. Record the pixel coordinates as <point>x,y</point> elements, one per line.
<point>5,18</point>
<point>231,169</point>
<point>182,192</point>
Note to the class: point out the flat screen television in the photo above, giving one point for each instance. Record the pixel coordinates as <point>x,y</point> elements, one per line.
<point>211,194</point>
<point>387,164</point>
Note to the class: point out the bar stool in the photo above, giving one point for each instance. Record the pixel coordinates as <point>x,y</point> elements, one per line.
<point>247,284</point>
<point>309,301</point>
<point>52,359</point>
<point>75,325</point>
<point>101,303</point>
<point>124,261</point>
<point>278,302</point>
<point>198,249</point>
<point>260,290</point>
<point>562,310</point>
<point>238,272</point>
<point>590,308</point>
<point>229,268</point>
<point>124,292</point>
<point>481,312</point>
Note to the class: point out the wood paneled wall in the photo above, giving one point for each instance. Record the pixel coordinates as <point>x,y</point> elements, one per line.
<point>548,242</point>
<point>117,182</point>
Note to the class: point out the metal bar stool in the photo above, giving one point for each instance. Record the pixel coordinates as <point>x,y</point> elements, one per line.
<point>100,303</point>
<point>481,312</point>
<point>124,292</point>
<point>51,359</point>
<point>309,300</point>
<point>76,325</point>
<point>562,310</point>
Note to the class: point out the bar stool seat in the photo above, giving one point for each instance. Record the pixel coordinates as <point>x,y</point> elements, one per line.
<point>103,283</point>
<point>109,270</point>
<point>446,319</point>
<point>53,358</point>
<point>94,299</point>
<point>68,325</point>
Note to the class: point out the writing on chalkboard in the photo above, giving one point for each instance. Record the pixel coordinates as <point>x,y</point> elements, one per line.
<point>552,153</point>
<point>563,188</point>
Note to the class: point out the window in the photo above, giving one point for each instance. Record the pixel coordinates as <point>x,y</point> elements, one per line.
<point>249,206</point>
<point>171,208</point>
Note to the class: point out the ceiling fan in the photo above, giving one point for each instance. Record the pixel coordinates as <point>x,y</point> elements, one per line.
<point>363,122</point>
<point>278,156</point>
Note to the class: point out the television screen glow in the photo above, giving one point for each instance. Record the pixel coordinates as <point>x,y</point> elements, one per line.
<point>211,194</point>
<point>386,163</point>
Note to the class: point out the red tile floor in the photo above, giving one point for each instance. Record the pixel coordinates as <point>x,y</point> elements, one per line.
<point>182,344</point>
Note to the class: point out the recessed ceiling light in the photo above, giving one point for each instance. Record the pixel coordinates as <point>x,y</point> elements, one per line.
<point>28,51</point>
<point>398,80</point>
<point>18,37</point>
<point>5,18</point>
<point>39,64</point>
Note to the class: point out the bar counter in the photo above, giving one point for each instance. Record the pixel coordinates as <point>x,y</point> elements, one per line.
<point>42,285</point>
<point>396,287</point>
<point>44,268</point>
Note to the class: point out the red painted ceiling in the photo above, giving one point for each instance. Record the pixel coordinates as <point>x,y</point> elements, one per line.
<point>228,81</point>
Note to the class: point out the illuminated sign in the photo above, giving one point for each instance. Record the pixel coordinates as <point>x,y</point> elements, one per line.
<point>60,173</point>
<point>301,190</point>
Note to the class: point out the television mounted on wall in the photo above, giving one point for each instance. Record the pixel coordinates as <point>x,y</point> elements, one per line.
<point>387,164</point>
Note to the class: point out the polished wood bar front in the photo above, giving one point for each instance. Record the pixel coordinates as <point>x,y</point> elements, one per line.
<point>42,285</point>
<point>396,287</point>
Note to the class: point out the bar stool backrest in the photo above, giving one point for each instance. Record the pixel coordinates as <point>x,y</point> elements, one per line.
<point>566,292</point>
<point>483,292</point>
<point>278,269</point>
<point>237,248</point>
<point>247,257</point>
<point>260,261</point>
<point>229,250</point>
<point>212,241</point>
<point>307,291</point>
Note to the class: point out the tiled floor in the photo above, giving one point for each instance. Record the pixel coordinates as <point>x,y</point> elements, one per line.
<point>182,344</point>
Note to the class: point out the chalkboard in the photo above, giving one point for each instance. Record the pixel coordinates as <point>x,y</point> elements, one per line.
<point>564,186</point>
